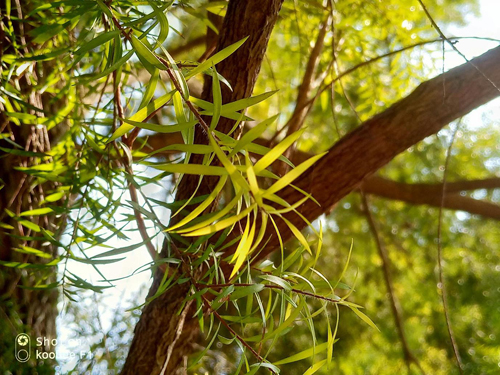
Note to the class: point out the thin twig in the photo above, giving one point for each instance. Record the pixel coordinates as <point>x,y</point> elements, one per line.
<point>140,222</point>
<point>441,286</point>
<point>297,291</point>
<point>300,112</point>
<point>207,304</point>
<point>441,34</point>
<point>172,78</point>
<point>409,357</point>
<point>380,57</point>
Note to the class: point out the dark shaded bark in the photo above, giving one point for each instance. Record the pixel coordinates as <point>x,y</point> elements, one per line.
<point>157,327</point>
<point>21,308</point>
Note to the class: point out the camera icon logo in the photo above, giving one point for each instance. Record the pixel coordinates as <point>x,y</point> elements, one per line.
<point>23,347</point>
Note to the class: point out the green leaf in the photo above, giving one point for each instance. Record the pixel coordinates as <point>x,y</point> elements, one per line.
<point>200,208</point>
<point>252,134</point>
<point>277,151</point>
<point>118,251</point>
<point>221,224</point>
<point>164,26</point>
<point>244,291</point>
<point>221,299</point>
<point>283,326</point>
<point>177,74</point>
<point>278,281</point>
<point>238,105</point>
<point>263,150</point>
<point>102,39</point>
<point>32,251</point>
<point>142,115</point>
<point>311,370</point>
<point>95,76</point>
<point>364,318</point>
<point>215,59</point>
<point>193,149</point>
<point>29,225</point>
<point>266,365</point>
<point>304,354</point>
<point>208,109</point>
<point>150,89</point>
<point>196,169</point>
<point>292,175</point>
<point>217,97</point>
<point>298,234</point>
<point>228,207</point>
<point>244,246</point>
<point>47,31</point>
<point>171,128</point>
<point>96,261</point>
<point>235,175</point>
<point>105,9</point>
<point>15,151</point>
<point>145,53</point>
<point>37,211</point>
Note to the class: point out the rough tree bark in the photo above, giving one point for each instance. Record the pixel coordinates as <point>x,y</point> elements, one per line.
<point>23,309</point>
<point>157,328</point>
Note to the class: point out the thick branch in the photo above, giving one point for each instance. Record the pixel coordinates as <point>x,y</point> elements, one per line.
<point>431,194</point>
<point>377,141</point>
<point>417,194</point>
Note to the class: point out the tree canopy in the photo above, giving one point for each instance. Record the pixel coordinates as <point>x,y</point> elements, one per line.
<point>299,181</point>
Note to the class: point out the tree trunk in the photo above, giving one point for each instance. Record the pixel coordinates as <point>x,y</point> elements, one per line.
<point>22,309</point>
<point>158,326</point>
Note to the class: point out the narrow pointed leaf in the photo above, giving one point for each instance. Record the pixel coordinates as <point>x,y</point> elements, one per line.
<point>217,58</point>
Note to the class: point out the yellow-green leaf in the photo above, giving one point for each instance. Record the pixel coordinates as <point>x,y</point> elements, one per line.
<point>223,224</point>
<point>37,211</point>
<point>298,234</point>
<point>288,178</point>
<point>217,58</point>
<point>303,354</point>
<point>243,247</point>
<point>142,114</point>
<point>277,151</point>
<point>196,169</point>
<point>198,210</point>
<point>364,318</point>
<point>143,51</point>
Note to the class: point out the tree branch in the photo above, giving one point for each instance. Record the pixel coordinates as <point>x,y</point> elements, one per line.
<point>431,194</point>
<point>416,194</point>
<point>300,112</point>
<point>377,141</point>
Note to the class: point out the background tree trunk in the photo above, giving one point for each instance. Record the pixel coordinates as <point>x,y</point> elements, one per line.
<point>32,311</point>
